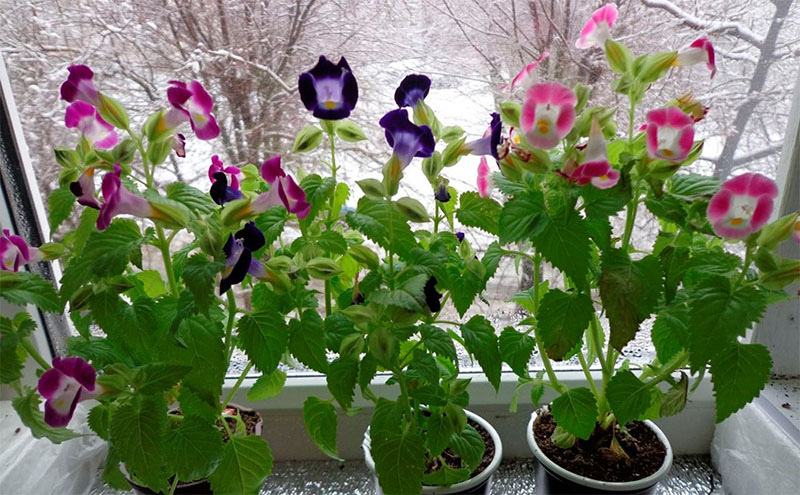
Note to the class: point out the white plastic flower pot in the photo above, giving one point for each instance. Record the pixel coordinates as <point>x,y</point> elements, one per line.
<point>552,478</point>
<point>480,484</point>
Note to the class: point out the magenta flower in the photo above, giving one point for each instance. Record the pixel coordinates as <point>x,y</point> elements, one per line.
<point>700,51</point>
<point>329,90</point>
<point>239,259</point>
<point>85,118</point>
<point>596,168</point>
<point>597,29</point>
<point>120,201</point>
<point>484,178</point>
<point>83,188</point>
<point>191,102</point>
<point>413,89</point>
<point>220,177</point>
<point>79,86</point>
<point>283,191</point>
<point>179,144</point>
<point>487,145</point>
<point>15,252</point>
<point>524,78</point>
<point>548,114</point>
<point>670,134</point>
<point>742,205</point>
<point>69,381</point>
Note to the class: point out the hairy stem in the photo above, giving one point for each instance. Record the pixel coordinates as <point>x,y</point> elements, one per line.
<point>174,484</point>
<point>236,386</point>
<point>165,255</point>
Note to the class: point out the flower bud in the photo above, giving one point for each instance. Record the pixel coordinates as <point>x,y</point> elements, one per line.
<point>582,93</point>
<point>350,131</point>
<point>364,256</point>
<point>323,268</point>
<point>52,251</point>
<point>510,112</point>
<point>372,188</point>
<point>777,232</point>
<point>618,56</point>
<point>451,133</point>
<point>412,209</point>
<point>442,195</point>
<point>113,112</point>
<point>432,166</point>
<point>691,107</point>
<point>308,139</point>
<point>453,152</point>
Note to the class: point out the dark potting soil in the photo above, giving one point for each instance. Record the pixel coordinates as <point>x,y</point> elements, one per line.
<point>454,461</point>
<point>250,419</point>
<point>594,459</point>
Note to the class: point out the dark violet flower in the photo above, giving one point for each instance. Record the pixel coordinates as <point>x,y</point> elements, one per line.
<point>191,102</point>
<point>432,297</point>
<point>412,89</point>
<point>69,381</point>
<point>329,91</point>
<point>239,261</point>
<point>220,177</point>
<point>487,145</point>
<point>460,236</point>
<point>79,86</point>
<point>442,194</point>
<point>83,189</point>
<point>407,139</point>
<point>15,252</point>
<point>120,201</point>
<point>85,118</point>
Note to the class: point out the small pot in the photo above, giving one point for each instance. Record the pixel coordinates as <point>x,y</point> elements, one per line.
<point>554,479</point>
<point>479,485</point>
<point>197,487</point>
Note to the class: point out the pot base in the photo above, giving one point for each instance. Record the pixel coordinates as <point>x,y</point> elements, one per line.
<point>548,483</point>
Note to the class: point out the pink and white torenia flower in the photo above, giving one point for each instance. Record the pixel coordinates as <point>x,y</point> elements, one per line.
<point>69,381</point>
<point>283,191</point>
<point>548,114</point>
<point>742,205</point>
<point>83,189</point>
<point>79,86</point>
<point>597,29</point>
<point>15,252</point>
<point>596,168</point>
<point>191,102</point>
<point>120,201</point>
<point>485,184</point>
<point>85,118</point>
<point>670,134</point>
<point>525,78</point>
<point>700,51</point>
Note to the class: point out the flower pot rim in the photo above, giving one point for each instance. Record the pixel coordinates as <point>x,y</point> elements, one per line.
<point>462,485</point>
<point>621,486</point>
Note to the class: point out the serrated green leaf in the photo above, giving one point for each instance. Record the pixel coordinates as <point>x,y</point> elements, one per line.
<point>481,341</point>
<point>25,288</point>
<point>318,192</point>
<point>109,250</point>
<point>482,213</point>
<point>440,430</point>
<point>738,373</point>
<point>10,363</point>
<point>246,462</point>
<point>537,392</point>
<point>516,349</point>
<point>193,405</point>
<point>267,386</point>
<point>307,341</point>
<point>99,419</point>
<point>670,331</point>
<point>341,378</point>
<point>380,221</point>
<point>521,217</point>
<point>152,283</point>
<point>204,351</point>
<point>112,474</point>
<point>59,205</point>
<point>674,262</point>
<point>137,433</point>
<point>27,407</point>
<point>576,411</point>
<point>332,242</point>
<point>562,320</point>
<point>190,197</point>
<point>674,400</point>
<point>446,476</point>
<point>628,396</point>
<point>199,275</point>
<point>159,377</point>
<point>193,449</point>
<point>694,186</point>
<point>409,296</point>
<point>468,444</point>
<point>437,341</point>
<point>399,462</point>
<point>562,238</point>
<point>271,223</point>
<point>264,337</point>
<point>424,366</point>
<point>603,203</point>
<point>320,421</point>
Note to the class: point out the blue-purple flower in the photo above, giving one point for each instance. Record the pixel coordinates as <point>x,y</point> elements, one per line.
<point>413,89</point>
<point>407,139</point>
<point>442,195</point>
<point>220,177</point>
<point>460,236</point>
<point>83,189</point>
<point>329,90</point>
<point>15,252</point>
<point>433,298</point>
<point>487,145</point>
<point>69,381</point>
<point>239,261</point>
<point>79,86</point>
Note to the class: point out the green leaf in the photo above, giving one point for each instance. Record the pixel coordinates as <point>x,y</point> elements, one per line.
<point>308,139</point>
<point>246,462</point>
<point>674,262</point>
<point>670,331</point>
<point>482,213</point>
<point>137,434</point>
<point>465,286</point>
<point>193,448</point>
<point>694,186</point>
<point>27,407</point>
<point>562,320</point>
<point>468,444</point>
<point>424,366</point>
<point>10,363</point>
<point>25,288</point>
<point>576,411</point>
<point>108,251</point>
<point>318,191</point>
<point>440,429</point>
<point>152,283</point>
<point>193,405</point>
<point>537,392</point>
<point>399,462</point>
<point>738,373</point>
<point>341,378</point>
<point>320,421</point>
<point>59,204</point>
<point>675,399</point>
<point>520,217</point>
<point>563,240</point>
<point>112,474</point>
<point>307,341</point>
<point>194,199</point>
<point>718,313</point>
<point>437,341</point>
<point>99,419</point>
<point>264,337</point>
<point>481,341</point>
<point>603,203</point>
<point>516,349</point>
<point>332,242</point>
<point>99,351</point>
<point>409,296</point>
<point>267,386</point>
<point>629,291</point>
<point>271,223</point>
<point>628,396</point>
<point>204,351</point>
<point>199,276</point>
<point>446,476</point>
<point>159,377</point>
<point>380,221</point>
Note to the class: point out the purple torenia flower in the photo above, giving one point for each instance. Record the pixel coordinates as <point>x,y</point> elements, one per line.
<point>487,145</point>
<point>460,236</point>
<point>239,260</point>
<point>283,191</point>
<point>407,139</point>
<point>412,89</point>
<point>191,102</point>
<point>329,90</point>
<point>15,252</point>
<point>85,118</point>
<point>119,201</point>
<point>79,86</point>
<point>220,176</point>
<point>442,194</point>
<point>433,298</point>
<point>69,381</point>
<point>83,188</point>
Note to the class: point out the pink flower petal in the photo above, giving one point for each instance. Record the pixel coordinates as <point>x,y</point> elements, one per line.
<point>761,185</point>
<point>523,77</point>
<point>271,169</point>
<point>762,213</point>
<point>607,180</point>
<point>596,30</point>
<point>738,185</point>
<point>719,206</point>
<point>484,178</point>
<point>730,232</point>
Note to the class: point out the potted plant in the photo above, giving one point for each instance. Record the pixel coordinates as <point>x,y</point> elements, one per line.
<point>383,303</point>
<point>153,350</point>
<point>566,175</point>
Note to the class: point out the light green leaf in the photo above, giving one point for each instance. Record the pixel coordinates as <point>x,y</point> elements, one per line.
<point>137,434</point>
<point>341,378</point>
<point>399,462</point>
<point>332,242</point>
<point>246,462</point>
<point>27,407</point>
<point>109,250</point>
<point>308,139</point>
<point>380,221</point>
<point>516,349</point>
<point>271,223</point>
<point>628,396</point>
<point>190,197</point>
<point>482,213</point>
<point>670,331</point>
<point>307,341</point>
<point>576,411</point>
<point>481,342</point>
<point>152,283</point>
<point>59,204</point>
<point>29,288</point>
<point>320,421</point>
<point>738,373</point>
<point>440,429</point>
<point>264,338</point>
<point>193,449</point>
<point>267,386</point>
<point>562,320</point>
<point>446,476</point>
<point>675,399</point>
<point>468,444</point>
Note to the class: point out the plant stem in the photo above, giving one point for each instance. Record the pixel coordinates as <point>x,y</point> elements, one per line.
<point>164,245</point>
<point>748,254</point>
<point>630,219</point>
<point>229,325</point>
<point>678,361</point>
<point>327,298</point>
<point>237,385</point>
<point>631,115</point>
<point>436,217</point>
<point>28,346</point>
<point>595,336</point>
<point>333,157</point>
<point>330,220</point>
<point>588,375</point>
<point>227,428</point>
<point>174,484</point>
<point>511,252</point>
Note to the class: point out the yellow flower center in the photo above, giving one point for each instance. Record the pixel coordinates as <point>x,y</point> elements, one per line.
<point>330,105</point>
<point>603,177</point>
<point>667,152</point>
<point>737,221</point>
<point>543,125</point>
